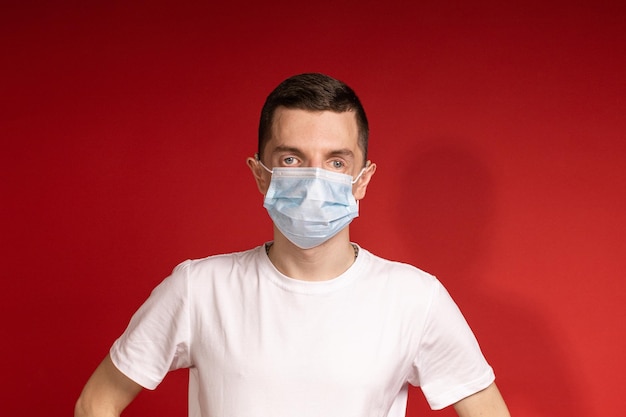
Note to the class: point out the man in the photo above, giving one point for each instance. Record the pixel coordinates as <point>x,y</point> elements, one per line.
<point>309,324</point>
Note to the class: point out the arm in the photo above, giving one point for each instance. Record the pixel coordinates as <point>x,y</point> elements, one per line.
<point>106,393</point>
<point>485,403</point>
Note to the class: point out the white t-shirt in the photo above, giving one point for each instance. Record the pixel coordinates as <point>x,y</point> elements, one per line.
<point>261,344</point>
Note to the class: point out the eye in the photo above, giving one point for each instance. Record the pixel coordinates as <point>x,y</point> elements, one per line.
<point>337,164</point>
<point>290,160</point>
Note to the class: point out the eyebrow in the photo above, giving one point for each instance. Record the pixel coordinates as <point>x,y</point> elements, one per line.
<point>347,153</point>
<point>338,152</point>
<point>289,149</point>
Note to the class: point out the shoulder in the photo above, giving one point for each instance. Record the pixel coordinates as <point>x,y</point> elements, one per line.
<point>217,269</point>
<point>398,272</point>
<point>220,262</point>
<point>405,283</point>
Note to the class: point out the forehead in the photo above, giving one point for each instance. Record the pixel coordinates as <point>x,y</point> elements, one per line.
<point>302,127</point>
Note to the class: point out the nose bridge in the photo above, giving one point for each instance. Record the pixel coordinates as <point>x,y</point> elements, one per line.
<point>315,162</point>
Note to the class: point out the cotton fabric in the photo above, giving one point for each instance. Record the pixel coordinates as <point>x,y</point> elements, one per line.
<point>259,343</point>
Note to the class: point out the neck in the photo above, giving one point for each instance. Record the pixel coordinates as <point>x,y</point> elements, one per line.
<point>321,263</point>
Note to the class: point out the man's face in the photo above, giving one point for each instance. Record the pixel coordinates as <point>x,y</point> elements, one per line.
<point>319,139</point>
<point>324,139</point>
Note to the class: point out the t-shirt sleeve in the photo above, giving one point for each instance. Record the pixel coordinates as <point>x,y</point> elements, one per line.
<point>449,365</point>
<point>157,337</point>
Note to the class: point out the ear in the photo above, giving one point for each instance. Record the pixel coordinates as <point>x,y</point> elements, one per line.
<point>359,188</point>
<point>261,176</point>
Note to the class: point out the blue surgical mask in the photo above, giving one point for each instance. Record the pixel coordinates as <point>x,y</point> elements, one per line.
<point>310,205</point>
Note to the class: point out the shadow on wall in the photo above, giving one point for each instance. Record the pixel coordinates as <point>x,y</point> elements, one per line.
<point>448,232</point>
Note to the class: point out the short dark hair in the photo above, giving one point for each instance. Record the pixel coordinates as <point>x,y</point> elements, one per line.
<point>313,92</point>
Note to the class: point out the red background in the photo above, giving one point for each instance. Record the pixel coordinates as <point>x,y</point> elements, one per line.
<point>498,130</point>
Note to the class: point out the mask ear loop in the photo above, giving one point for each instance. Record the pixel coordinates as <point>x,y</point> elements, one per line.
<point>367,165</point>
<point>256,157</point>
